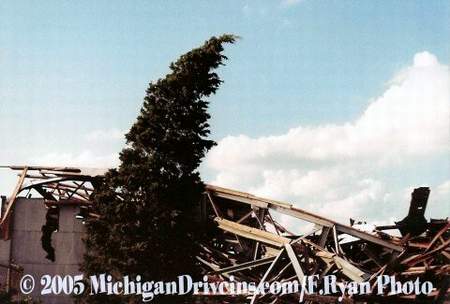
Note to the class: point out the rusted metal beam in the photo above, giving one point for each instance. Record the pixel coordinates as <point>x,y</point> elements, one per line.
<point>5,222</point>
<point>252,233</point>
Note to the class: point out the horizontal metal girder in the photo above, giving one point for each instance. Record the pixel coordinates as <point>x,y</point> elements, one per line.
<point>288,209</point>
<point>245,265</point>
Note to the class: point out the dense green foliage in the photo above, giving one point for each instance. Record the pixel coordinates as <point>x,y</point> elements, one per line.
<point>146,205</point>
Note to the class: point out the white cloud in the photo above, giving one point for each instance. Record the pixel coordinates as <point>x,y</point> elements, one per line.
<point>334,169</point>
<point>443,189</point>
<point>440,196</point>
<point>98,149</point>
<point>86,158</point>
<point>105,135</point>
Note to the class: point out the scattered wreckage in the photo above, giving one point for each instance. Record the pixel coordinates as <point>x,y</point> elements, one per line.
<point>246,242</point>
<point>251,245</point>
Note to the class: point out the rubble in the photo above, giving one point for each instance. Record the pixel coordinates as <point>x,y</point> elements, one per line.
<point>250,245</point>
<point>245,240</point>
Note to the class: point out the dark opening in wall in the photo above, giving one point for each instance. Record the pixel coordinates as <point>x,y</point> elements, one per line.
<point>51,225</point>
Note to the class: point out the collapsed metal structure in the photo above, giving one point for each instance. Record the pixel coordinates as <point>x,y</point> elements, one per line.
<point>247,242</point>
<point>252,246</point>
<point>57,185</point>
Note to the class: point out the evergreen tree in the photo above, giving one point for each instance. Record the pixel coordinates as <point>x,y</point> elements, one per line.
<point>146,206</point>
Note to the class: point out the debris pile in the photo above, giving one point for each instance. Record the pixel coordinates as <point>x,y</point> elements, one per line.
<point>246,241</point>
<point>251,246</point>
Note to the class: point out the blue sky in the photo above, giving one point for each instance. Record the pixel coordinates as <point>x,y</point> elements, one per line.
<point>74,73</point>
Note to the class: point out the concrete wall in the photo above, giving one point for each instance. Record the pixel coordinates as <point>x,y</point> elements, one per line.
<point>26,249</point>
